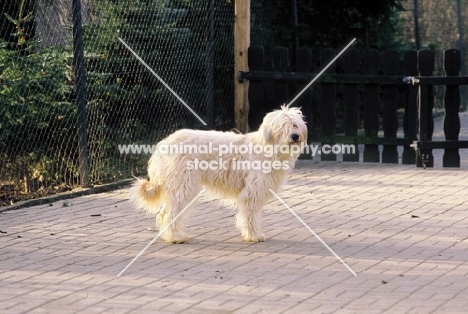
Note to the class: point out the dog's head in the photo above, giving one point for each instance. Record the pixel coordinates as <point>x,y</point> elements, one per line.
<point>285,126</point>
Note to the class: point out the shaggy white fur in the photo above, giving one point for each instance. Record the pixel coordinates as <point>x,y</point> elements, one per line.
<point>174,182</point>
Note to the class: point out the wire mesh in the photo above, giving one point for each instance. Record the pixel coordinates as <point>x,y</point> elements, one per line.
<point>188,43</point>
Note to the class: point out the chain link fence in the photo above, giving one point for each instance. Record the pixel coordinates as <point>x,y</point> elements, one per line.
<point>189,44</point>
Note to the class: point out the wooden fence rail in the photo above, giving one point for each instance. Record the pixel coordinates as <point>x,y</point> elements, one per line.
<point>373,85</point>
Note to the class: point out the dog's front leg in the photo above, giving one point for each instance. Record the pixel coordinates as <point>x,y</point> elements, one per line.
<point>250,204</point>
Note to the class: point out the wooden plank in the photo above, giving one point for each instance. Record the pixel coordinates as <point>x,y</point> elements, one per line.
<point>328,101</point>
<point>410,119</point>
<point>358,140</point>
<point>452,65</point>
<point>256,90</point>
<point>350,61</point>
<point>426,64</point>
<point>304,65</point>
<point>324,78</point>
<point>241,45</point>
<point>390,63</point>
<point>447,144</point>
<point>443,80</point>
<point>280,63</point>
<point>371,105</point>
<point>354,79</point>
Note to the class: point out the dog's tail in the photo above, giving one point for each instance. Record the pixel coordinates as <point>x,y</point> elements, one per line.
<point>145,195</point>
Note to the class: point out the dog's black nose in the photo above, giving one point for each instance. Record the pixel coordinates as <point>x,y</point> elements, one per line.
<point>294,137</point>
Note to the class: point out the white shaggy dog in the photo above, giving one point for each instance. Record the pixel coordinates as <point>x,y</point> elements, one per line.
<point>235,167</point>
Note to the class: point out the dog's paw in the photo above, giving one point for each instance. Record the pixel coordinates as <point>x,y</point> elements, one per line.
<point>176,239</point>
<point>180,241</point>
<point>254,238</point>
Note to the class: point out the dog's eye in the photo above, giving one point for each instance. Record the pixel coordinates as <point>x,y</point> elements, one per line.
<point>295,126</point>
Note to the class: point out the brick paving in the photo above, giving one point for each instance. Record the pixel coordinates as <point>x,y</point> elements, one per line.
<point>403,230</point>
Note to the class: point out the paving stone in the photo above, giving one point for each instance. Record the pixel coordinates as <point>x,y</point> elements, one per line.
<point>403,230</point>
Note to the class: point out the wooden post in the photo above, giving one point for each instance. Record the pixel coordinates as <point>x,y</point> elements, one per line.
<point>390,62</point>
<point>256,89</point>
<point>304,64</point>
<point>351,61</point>
<point>280,63</point>
<point>410,122</point>
<point>328,99</point>
<point>371,105</point>
<point>426,65</point>
<point>452,65</point>
<point>80,82</point>
<point>241,45</point>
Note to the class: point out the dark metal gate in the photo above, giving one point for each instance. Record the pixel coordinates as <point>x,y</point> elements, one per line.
<point>372,92</point>
<point>424,145</point>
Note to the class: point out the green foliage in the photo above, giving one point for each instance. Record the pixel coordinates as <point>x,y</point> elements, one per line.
<point>36,115</point>
<point>125,103</point>
<point>18,26</point>
<point>170,38</point>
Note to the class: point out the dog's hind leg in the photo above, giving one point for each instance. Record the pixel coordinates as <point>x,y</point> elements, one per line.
<point>165,220</point>
<point>160,216</point>
<point>250,205</point>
